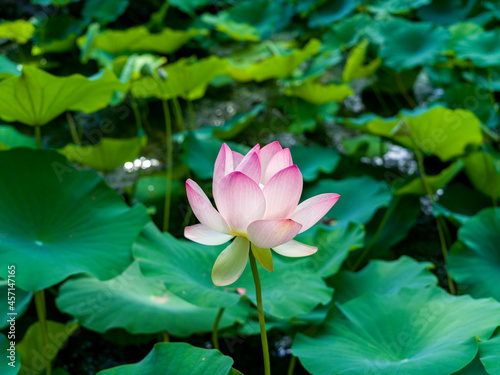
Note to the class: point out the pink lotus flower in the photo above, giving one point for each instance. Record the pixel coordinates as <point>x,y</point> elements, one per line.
<point>257,198</point>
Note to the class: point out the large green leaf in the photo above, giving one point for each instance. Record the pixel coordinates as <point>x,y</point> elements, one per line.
<point>140,39</point>
<point>8,68</point>
<point>354,67</point>
<point>10,138</point>
<point>33,350</point>
<point>416,331</point>
<point>108,155</point>
<point>276,66</point>
<point>57,34</point>
<point>333,245</point>
<point>183,79</point>
<point>317,93</point>
<point>360,198</point>
<point>383,277</point>
<point>309,289</point>
<point>20,31</point>
<point>483,171</point>
<point>365,145</point>
<point>21,302</point>
<point>163,257</point>
<point>56,221</point>
<point>104,11</point>
<point>395,6</point>
<point>345,33</point>
<point>9,365</point>
<point>122,301</point>
<point>177,358</point>
<point>482,49</point>
<point>251,21</point>
<point>446,12</point>
<point>475,261</point>
<point>435,182</point>
<point>462,30</point>
<point>36,97</point>
<point>489,353</point>
<point>238,123</point>
<point>443,132</point>
<point>412,44</point>
<point>331,11</point>
<point>395,229</point>
<point>314,159</point>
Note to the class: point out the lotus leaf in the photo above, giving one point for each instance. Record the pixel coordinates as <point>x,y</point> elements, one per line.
<point>489,354</point>
<point>414,331</point>
<point>20,31</point>
<point>475,261</point>
<point>318,94</point>
<point>95,303</point>
<point>383,277</point>
<point>57,34</point>
<point>32,350</point>
<point>8,68</point>
<point>108,155</point>
<point>365,145</point>
<point>177,358</point>
<point>140,39</point>
<point>446,12</point>
<point>277,66</point>
<point>252,21</point>
<point>354,67</point>
<point>104,11</point>
<point>333,245</point>
<point>483,171</point>
<point>36,97</point>
<point>413,44</point>
<point>353,191</point>
<point>482,49</point>
<point>395,6</point>
<point>63,217</point>
<point>345,33</point>
<point>331,11</point>
<point>314,159</point>
<point>162,257</point>
<point>238,123</point>
<point>184,79</point>
<point>10,138</point>
<point>443,132</point>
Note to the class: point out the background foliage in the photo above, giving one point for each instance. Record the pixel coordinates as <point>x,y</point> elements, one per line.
<point>390,103</point>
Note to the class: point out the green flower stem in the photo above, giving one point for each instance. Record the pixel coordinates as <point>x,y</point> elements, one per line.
<point>72,129</point>
<point>41,311</point>
<point>169,164</point>
<point>166,336</point>
<point>192,115</point>
<point>291,367</point>
<point>137,113</point>
<point>439,222</point>
<point>38,135</point>
<point>490,86</point>
<point>262,321</point>
<point>373,240</point>
<point>489,177</point>
<point>402,88</point>
<point>178,114</point>
<point>215,330</point>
